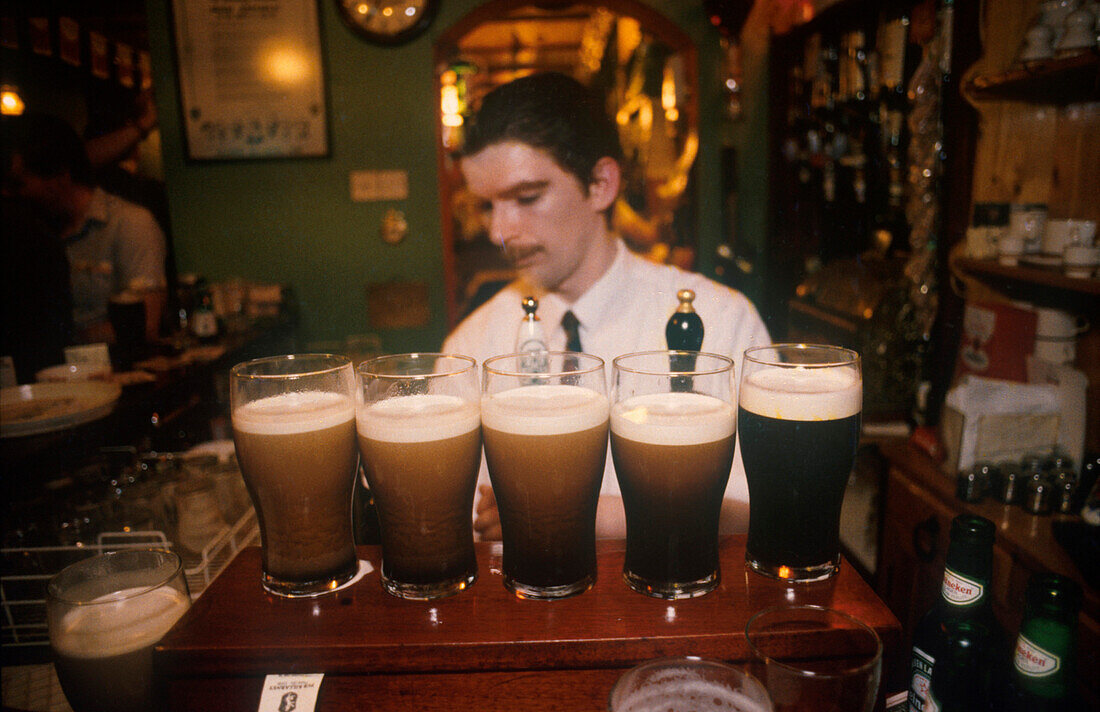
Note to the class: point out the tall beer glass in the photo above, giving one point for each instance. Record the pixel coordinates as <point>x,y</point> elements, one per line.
<point>672,439</point>
<point>105,615</point>
<point>546,445</point>
<point>799,421</point>
<point>294,427</point>
<point>420,437</point>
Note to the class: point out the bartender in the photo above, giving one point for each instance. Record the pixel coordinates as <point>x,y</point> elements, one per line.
<point>545,160</point>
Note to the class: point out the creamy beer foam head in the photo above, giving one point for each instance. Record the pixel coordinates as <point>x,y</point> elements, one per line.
<point>673,419</point>
<point>291,413</point>
<point>803,393</point>
<point>544,410</point>
<point>104,629</point>
<point>686,694</point>
<point>419,418</point>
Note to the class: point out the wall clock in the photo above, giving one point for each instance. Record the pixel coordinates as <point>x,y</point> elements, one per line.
<point>387,22</point>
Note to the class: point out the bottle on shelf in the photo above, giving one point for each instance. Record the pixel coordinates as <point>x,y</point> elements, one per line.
<point>203,320</point>
<point>958,638</point>
<point>1042,674</point>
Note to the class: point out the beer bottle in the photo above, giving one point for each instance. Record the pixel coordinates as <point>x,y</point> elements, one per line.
<point>962,620</point>
<point>958,665</point>
<point>1042,674</point>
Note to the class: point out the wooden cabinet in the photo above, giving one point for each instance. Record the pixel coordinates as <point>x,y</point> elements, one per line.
<point>918,506</point>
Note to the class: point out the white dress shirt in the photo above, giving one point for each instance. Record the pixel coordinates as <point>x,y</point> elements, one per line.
<point>625,311</point>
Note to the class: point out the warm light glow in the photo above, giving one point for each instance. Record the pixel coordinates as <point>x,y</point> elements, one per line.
<point>784,572</point>
<point>387,11</point>
<point>11,104</point>
<point>362,8</point>
<point>286,65</point>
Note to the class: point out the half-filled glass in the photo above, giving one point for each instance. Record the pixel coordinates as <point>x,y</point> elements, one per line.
<point>105,614</point>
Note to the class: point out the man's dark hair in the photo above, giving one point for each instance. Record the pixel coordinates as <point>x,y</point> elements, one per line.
<point>49,147</point>
<point>550,111</point>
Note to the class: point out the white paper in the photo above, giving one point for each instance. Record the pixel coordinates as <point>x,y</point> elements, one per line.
<point>290,693</point>
<point>976,397</point>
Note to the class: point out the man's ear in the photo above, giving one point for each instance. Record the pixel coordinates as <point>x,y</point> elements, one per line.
<point>604,187</point>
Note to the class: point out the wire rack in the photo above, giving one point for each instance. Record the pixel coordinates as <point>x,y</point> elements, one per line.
<point>26,571</point>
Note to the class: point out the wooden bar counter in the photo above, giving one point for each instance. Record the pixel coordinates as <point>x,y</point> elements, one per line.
<point>483,649</point>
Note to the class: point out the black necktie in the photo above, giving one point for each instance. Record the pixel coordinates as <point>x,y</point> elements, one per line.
<point>572,331</point>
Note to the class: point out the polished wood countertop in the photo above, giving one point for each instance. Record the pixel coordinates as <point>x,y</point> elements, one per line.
<point>483,645</point>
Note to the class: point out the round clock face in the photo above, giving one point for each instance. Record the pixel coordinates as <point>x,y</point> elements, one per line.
<point>387,21</point>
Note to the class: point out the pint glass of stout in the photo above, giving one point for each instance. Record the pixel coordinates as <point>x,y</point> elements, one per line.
<point>799,421</point>
<point>420,437</point>
<point>672,439</point>
<point>294,428</point>
<point>546,445</point>
<point>105,615</point>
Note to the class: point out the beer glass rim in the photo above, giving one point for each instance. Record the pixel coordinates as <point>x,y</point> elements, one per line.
<point>857,624</point>
<point>842,356</point>
<point>597,364</point>
<point>53,587</point>
<point>692,661</point>
<point>242,370</point>
<point>727,365</point>
<point>364,370</point>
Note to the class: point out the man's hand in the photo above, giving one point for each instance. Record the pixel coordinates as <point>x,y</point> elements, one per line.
<point>487,517</point>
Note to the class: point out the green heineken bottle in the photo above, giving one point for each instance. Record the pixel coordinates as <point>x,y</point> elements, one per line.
<point>961,623</point>
<point>959,664</point>
<point>1043,675</point>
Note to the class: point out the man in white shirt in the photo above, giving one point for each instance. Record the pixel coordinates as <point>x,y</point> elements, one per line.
<point>545,160</point>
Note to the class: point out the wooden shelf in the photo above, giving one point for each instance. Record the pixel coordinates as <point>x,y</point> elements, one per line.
<point>1046,286</point>
<point>1052,81</point>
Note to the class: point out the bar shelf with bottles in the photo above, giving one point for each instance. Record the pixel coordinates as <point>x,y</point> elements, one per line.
<point>840,135</point>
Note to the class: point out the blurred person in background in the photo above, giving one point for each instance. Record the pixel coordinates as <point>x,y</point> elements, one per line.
<point>112,244</point>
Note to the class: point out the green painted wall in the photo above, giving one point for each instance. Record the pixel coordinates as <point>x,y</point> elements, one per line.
<point>293,221</point>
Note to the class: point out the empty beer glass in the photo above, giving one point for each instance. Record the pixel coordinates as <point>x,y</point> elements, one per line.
<point>294,428</point>
<point>799,422</point>
<point>420,437</point>
<point>672,439</point>
<point>545,427</point>
<point>105,615</point>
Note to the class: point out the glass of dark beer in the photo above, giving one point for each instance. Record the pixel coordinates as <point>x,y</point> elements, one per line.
<point>105,614</point>
<point>799,422</point>
<point>673,429</point>
<point>544,422</point>
<point>420,438</point>
<point>294,427</point>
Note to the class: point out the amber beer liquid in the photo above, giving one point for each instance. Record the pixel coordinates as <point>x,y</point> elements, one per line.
<point>546,446</point>
<point>298,456</point>
<point>799,431</point>
<point>421,454</point>
<point>673,452</point>
<point>104,652</point>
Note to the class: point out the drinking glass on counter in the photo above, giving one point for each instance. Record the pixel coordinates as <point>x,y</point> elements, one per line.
<point>835,665</point>
<point>105,614</point>
<point>294,429</point>
<point>545,429</point>
<point>420,437</point>
<point>672,439</point>
<point>688,684</point>
<point>799,423</point>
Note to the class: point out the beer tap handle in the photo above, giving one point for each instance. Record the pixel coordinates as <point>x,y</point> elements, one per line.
<point>530,339</point>
<point>684,332</point>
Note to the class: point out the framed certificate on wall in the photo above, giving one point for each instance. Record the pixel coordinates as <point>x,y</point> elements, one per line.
<point>251,79</point>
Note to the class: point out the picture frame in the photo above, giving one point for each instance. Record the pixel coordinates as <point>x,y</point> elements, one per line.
<point>251,79</point>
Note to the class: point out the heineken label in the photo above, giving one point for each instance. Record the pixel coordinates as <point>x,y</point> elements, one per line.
<point>1033,661</point>
<point>960,590</point>
<point>921,671</point>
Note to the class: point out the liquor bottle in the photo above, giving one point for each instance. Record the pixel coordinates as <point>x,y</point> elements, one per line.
<point>1043,668</point>
<point>961,624</point>
<point>204,322</point>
